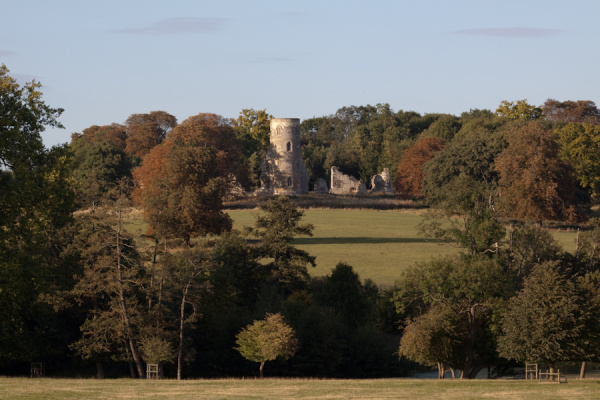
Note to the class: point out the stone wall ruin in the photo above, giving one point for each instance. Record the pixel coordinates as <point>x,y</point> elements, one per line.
<point>345,184</point>
<point>382,183</point>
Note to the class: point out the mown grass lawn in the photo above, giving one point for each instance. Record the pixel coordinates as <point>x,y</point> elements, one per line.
<point>49,389</point>
<point>378,244</point>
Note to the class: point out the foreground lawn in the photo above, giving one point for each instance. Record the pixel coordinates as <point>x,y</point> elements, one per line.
<point>24,388</point>
<point>378,244</point>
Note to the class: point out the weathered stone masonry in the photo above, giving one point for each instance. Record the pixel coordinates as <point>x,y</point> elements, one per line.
<point>283,170</point>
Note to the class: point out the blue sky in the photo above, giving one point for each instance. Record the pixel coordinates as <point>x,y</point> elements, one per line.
<point>104,60</point>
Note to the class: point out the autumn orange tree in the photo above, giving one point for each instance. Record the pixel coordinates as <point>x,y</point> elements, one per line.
<point>571,111</point>
<point>144,131</point>
<point>410,175</point>
<point>182,182</point>
<point>535,183</point>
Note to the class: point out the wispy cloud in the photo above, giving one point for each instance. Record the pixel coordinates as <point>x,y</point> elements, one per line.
<point>6,53</point>
<point>179,25</point>
<point>509,32</point>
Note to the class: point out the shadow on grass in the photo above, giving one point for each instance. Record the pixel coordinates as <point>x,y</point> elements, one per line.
<point>360,240</point>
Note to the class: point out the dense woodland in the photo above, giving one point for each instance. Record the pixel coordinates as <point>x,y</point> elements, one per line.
<point>82,295</point>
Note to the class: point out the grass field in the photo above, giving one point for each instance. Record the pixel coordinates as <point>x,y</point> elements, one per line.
<point>64,389</point>
<point>378,244</point>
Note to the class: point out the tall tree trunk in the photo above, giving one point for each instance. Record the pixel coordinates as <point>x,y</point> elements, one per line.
<point>476,370</point>
<point>132,370</point>
<point>510,240</point>
<point>159,302</point>
<point>577,244</point>
<point>582,370</point>
<point>262,365</point>
<point>181,326</point>
<point>99,370</point>
<point>123,301</point>
<point>453,374</point>
<point>471,315</point>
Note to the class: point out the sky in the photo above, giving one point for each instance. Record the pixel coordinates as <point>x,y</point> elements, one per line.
<point>104,60</point>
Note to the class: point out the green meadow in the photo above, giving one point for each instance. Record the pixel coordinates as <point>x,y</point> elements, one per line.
<point>64,389</point>
<point>378,244</point>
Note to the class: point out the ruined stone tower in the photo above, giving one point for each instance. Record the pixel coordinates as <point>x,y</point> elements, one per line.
<point>283,170</point>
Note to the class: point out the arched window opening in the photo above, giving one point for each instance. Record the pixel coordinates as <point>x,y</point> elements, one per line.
<point>289,146</point>
<point>289,181</point>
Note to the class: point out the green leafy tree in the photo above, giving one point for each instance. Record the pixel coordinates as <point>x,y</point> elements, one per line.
<point>188,274</point>
<point>376,140</point>
<point>327,142</point>
<point>114,133</point>
<point>545,322</point>
<point>529,245</point>
<point>589,246</point>
<point>470,154</point>
<point>445,127</point>
<point>580,146</point>
<point>362,140</point>
<point>518,110</point>
<point>24,116</point>
<point>469,286</point>
<point>482,122</point>
<point>315,157</point>
<point>435,338</point>
<point>238,275</point>
<point>267,340</point>
<point>276,228</point>
<point>321,131</point>
<point>156,350</point>
<point>98,164</point>
<point>464,214</point>
<point>588,290</point>
<point>37,201</point>
<point>345,295</point>
<point>252,128</point>
<point>460,184</point>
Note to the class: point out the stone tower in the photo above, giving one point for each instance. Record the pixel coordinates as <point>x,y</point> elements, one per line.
<point>283,170</point>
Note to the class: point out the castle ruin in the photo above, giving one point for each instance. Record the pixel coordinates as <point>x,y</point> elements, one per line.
<point>283,170</point>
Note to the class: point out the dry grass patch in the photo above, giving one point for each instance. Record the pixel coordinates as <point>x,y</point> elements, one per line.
<point>23,388</point>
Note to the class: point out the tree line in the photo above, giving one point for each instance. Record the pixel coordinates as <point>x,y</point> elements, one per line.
<point>77,290</point>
